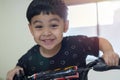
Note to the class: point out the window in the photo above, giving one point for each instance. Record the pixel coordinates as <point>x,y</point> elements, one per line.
<point>82,20</point>
<point>106,12</point>
<point>96,19</point>
<point>82,15</point>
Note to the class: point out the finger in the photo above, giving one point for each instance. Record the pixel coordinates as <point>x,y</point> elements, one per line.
<point>19,71</point>
<point>10,75</point>
<point>109,60</point>
<point>106,59</point>
<point>116,59</point>
<point>113,60</point>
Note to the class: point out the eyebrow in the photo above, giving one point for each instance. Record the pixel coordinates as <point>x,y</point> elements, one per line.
<point>36,21</point>
<point>53,19</point>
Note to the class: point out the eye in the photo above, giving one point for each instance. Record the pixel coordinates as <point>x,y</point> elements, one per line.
<point>54,25</point>
<point>38,26</point>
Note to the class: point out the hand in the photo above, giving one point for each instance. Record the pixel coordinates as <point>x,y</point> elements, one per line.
<point>111,58</point>
<point>12,72</point>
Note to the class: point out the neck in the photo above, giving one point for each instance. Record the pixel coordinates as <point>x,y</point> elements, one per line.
<point>50,53</point>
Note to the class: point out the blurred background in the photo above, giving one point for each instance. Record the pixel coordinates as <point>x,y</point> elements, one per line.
<point>87,17</point>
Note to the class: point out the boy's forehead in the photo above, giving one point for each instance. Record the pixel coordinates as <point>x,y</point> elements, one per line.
<point>46,17</point>
<point>40,21</point>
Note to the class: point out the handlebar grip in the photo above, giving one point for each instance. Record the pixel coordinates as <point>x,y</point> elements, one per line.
<point>19,76</point>
<point>102,66</point>
<point>16,77</point>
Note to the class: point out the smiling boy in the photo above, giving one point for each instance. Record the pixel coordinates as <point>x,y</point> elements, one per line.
<point>47,23</point>
<point>47,31</point>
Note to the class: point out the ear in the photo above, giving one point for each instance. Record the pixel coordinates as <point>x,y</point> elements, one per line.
<point>30,28</point>
<point>66,26</point>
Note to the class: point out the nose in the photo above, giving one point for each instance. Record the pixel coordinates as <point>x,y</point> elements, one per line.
<point>46,32</point>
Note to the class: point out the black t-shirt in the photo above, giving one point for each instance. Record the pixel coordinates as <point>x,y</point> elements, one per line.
<point>73,52</point>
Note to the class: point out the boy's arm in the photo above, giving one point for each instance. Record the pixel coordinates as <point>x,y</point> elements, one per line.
<point>12,72</point>
<point>111,58</point>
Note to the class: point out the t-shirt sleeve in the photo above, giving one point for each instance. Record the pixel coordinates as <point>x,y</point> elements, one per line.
<point>88,45</point>
<point>22,62</point>
<point>91,45</point>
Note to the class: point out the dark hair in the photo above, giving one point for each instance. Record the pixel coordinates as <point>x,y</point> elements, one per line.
<point>57,7</point>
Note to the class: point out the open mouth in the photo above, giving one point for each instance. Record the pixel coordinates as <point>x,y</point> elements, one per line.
<point>48,41</point>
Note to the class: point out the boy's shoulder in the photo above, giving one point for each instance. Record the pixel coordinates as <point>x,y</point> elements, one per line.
<point>32,51</point>
<point>82,37</point>
<point>79,39</point>
<point>75,37</point>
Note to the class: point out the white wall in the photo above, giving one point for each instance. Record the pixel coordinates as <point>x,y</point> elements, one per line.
<point>15,38</point>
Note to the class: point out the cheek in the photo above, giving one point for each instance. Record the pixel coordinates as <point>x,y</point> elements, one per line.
<point>58,34</point>
<point>36,35</point>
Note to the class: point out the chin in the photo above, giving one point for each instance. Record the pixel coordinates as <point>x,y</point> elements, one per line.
<point>48,47</point>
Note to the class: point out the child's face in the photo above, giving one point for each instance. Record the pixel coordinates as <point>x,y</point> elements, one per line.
<point>48,30</point>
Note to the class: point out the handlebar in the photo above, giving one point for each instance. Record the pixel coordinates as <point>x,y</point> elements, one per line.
<point>97,65</point>
<point>101,66</point>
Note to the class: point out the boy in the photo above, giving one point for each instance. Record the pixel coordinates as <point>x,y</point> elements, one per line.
<point>47,23</point>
